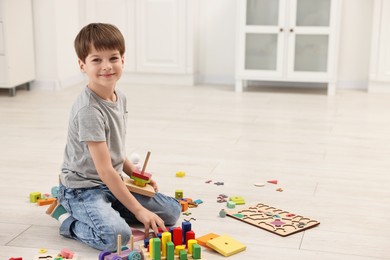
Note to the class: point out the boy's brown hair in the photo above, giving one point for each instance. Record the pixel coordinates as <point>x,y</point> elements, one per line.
<point>102,36</point>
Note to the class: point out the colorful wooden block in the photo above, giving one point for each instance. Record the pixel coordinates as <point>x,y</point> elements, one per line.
<point>226,245</point>
<point>204,239</point>
<point>143,176</point>
<point>147,190</point>
<point>179,194</point>
<point>184,205</point>
<point>47,201</point>
<point>231,204</point>
<point>35,196</point>
<point>196,251</point>
<point>238,200</point>
<point>183,255</point>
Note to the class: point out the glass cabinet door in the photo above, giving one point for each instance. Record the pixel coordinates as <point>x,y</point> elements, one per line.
<point>262,36</point>
<point>310,35</point>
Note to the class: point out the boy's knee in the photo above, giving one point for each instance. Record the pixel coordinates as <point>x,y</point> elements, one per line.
<point>173,215</point>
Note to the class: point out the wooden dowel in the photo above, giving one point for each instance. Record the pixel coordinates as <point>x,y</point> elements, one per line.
<point>119,251</point>
<point>132,243</point>
<point>145,163</point>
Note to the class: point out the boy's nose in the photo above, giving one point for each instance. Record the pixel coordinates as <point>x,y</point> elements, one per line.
<point>107,66</point>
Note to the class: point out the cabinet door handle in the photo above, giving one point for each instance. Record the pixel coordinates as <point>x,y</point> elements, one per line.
<point>281,30</point>
<point>291,30</point>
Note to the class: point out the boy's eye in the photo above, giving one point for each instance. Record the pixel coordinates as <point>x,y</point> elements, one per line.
<point>95,60</point>
<point>114,58</point>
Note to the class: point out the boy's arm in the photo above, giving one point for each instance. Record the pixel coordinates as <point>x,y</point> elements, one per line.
<point>102,160</point>
<point>128,168</point>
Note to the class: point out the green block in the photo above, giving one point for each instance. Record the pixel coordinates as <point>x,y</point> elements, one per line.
<point>196,251</point>
<point>156,249</point>
<point>231,204</point>
<point>34,196</point>
<point>170,250</point>
<point>183,255</point>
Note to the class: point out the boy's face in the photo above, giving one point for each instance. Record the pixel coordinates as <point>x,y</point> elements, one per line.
<point>103,68</point>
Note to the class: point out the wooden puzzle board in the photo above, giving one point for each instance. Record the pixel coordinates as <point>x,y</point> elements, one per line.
<point>275,220</point>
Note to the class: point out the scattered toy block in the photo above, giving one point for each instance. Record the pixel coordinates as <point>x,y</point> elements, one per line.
<point>198,201</point>
<point>147,190</point>
<point>47,201</point>
<point>231,204</point>
<point>16,258</point>
<point>179,194</point>
<point>273,181</point>
<point>51,208</point>
<point>180,174</point>
<point>226,245</point>
<point>222,213</point>
<point>238,200</point>
<point>184,205</point>
<point>259,184</point>
<point>66,253</point>
<point>279,189</point>
<point>204,239</point>
<point>35,196</point>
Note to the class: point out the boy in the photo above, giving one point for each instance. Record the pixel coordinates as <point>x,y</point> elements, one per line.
<point>95,205</point>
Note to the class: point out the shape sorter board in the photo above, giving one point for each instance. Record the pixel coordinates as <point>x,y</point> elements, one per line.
<point>275,220</point>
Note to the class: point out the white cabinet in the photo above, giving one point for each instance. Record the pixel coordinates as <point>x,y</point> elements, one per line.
<point>379,78</point>
<point>158,34</point>
<point>16,44</point>
<point>287,41</point>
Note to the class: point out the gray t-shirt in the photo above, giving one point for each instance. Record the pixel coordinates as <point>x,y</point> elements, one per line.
<point>93,119</point>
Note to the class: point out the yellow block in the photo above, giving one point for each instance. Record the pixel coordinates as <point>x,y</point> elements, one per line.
<point>190,243</point>
<point>165,238</point>
<point>226,245</point>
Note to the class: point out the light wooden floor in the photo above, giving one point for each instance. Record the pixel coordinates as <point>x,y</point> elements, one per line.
<point>330,155</point>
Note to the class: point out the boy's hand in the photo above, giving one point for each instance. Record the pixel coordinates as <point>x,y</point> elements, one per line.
<point>154,185</point>
<point>150,221</point>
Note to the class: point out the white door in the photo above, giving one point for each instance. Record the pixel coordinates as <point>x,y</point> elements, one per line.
<point>261,38</point>
<point>120,13</point>
<point>161,36</point>
<point>310,39</point>
<point>384,44</point>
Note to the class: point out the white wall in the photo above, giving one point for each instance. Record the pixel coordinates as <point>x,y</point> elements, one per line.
<point>56,24</point>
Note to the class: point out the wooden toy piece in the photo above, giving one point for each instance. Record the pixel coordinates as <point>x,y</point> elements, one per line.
<point>66,253</point>
<point>231,204</point>
<point>179,248</point>
<point>54,256</point>
<point>190,243</point>
<point>35,196</point>
<point>275,220</point>
<point>51,208</point>
<point>146,255</point>
<point>146,162</point>
<point>183,255</point>
<point>196,251</point>
<point>178,194</point>
<point>156,249</point>
<point>273,181</point>
<point>184,205</point>
<point>226,245</point>
<point>47,201</point>
<point>147,190</point>
<point>121,253</point>
<point>204,239</point>
<point>180,174</point>
<point>141,178</point>
<point>238,200</point>
<point>16,258</point>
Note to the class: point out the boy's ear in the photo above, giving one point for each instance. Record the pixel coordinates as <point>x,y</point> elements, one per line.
<point>81,64</point>
<point>123,60</point>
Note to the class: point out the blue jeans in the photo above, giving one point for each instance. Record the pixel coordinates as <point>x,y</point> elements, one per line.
<point>97,217</point>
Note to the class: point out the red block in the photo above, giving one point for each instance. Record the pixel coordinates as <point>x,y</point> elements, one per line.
<point>145,176</point>
<point>273,181</point>
<point>177,236</point>
<point>189,235</point>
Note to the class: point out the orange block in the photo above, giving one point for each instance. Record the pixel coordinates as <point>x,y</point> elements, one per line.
<point>203,239</point>
<point>273,181</point>
<point>47,201</point>
<point>184,205</point>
